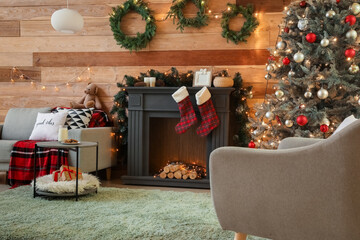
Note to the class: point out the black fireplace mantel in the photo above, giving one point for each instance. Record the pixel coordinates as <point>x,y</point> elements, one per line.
<point>157,102</point>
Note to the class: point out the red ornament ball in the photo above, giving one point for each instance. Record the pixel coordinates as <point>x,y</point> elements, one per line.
<point>324,128</point>
<point>302,120</point>
<point>286,61</point>
<point>271,58</point>
<point>351,19</point>
<point>286,29</point>
<point>337,1</point>
<point>302,4</point>
<point>251,144</point>
<point>350,53</point>
<point>311,37</point>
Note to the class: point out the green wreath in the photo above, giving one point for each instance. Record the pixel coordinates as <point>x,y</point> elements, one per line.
<point>248,27</point>
<point>142,39</point>
<point>176,12</point>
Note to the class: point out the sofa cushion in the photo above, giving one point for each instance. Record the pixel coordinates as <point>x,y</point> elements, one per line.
<point>77,118</point>
<point>6,147</point>
<point>19,122</point>
<point>47,126</point>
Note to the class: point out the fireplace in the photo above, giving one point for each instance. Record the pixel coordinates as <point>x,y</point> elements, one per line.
<point>152,141</point>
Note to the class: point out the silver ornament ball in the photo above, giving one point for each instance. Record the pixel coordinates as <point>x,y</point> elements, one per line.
<point>351,34</point>
<point>299,57</point>
<point>353,69</point>
<point>289,12</point>
<point>289,123</point>
<point>279,94</point>
<point>325,121</point>
<point>359,102</point>
<point>325,42</point>
<point>269,115</point>
<point>355,8</point>
<point>291,73</point>
<point>281,45</point>
<point>322,93</point>
<point>330,14</point>
<point>303,24</point>
<point>308,94</point>
<point>268,76</point>
<point>269,68</point>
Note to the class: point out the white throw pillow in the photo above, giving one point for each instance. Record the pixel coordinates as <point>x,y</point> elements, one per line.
<point>47,126</point>
<point>347,121</point>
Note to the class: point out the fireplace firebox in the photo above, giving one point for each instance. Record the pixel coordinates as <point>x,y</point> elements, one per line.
<point>152,141</point>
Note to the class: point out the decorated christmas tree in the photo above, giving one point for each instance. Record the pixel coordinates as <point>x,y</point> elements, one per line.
<point>315,63</point>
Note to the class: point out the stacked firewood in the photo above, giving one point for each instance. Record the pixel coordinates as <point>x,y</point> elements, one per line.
<point>182,171</point>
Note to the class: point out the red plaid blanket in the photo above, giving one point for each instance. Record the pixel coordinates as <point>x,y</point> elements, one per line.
<point>21,168</point>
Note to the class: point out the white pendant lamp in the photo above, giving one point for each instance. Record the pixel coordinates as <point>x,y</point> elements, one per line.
<point>67,20</point>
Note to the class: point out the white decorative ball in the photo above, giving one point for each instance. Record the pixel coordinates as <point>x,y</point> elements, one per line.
<point>325,42</point>
<point>268,76</point>
<point>299,57</point>
<point>330,14</point>
<point>322,93</point>
<point>289,123</point>
<point>281,45</point>
<point>303,24</point>
<point>325,121</point>
<point>291,73</point>
<point>255,132</point>
<point>289,12</point>
<point>307,94</point>
<point>269,68</point>
<point>351,34</point>
<point>353,69</point>
<point>355,8</point>
<point>269,115</point>
<point>279,94</point>
<point>359,102</point>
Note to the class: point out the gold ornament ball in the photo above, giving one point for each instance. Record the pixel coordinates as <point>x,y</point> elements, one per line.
<point>351,34</point>
<point>354,69</point>
<point>269,115</point>
<point>308,94</point>
<point>330,14</point>
<point>355,8</point>
<point>279,94</point>
<point>289,123</point>
<point>325,42</point>
<point>322,93</point>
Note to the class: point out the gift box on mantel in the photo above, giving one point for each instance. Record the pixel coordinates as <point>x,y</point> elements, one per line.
<point>66,173</point>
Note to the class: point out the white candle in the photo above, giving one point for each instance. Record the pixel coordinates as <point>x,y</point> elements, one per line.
<point>152,82</point>
<point>63,133</point>
<point>147,81</point>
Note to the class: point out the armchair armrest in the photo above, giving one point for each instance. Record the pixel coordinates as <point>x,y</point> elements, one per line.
<point>294,142</point>
<point>87,156</point>
<point>1,128</point>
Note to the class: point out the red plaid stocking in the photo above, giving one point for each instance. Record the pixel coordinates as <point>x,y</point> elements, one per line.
<point>187,113</point>
<point>209,117</point>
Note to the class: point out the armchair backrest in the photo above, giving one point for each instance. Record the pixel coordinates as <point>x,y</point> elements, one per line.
<point>19,122</point>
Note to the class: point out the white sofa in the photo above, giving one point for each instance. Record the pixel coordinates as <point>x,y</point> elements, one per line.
<point>19,123</point>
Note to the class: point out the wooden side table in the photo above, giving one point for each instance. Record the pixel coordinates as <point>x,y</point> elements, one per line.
<point>71,147</point>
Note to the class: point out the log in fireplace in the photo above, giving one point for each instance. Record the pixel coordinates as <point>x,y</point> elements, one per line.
<point>152,141</point>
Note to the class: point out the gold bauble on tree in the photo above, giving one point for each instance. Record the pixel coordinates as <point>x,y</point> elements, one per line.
<point>279,94</point>
<point>355,8</point>
<point>353,69</point>
<point>289,123</point>
<point>299,57</point>
<point>322,93</point>
<point>351,34</point>
<point>325,42</point>
<point>330,14</point>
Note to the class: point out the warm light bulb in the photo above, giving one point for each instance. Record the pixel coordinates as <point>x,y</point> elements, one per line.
<point>56,89</point>
<point>43,88</point>
<point>216,16</point>
<point>210,11</point>
<point>12,81</point>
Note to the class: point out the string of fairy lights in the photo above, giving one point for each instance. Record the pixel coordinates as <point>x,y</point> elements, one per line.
<point>17,74</point>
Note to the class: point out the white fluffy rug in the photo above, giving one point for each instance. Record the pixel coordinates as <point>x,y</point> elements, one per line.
<point>47,184</point>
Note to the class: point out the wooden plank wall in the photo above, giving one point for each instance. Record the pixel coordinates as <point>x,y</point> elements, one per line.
<point>28,42</point>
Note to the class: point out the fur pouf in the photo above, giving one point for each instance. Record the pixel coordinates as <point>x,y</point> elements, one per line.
<point>46,183</point>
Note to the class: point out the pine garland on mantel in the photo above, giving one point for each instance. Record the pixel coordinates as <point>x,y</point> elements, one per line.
<point>173,78</point>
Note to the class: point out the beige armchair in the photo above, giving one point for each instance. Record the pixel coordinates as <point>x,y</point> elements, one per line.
<point>308,189</point>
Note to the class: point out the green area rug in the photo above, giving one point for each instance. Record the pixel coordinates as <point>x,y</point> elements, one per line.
<point>113,213</point>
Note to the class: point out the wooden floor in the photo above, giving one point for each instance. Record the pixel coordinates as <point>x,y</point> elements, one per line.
<point>115,182</point>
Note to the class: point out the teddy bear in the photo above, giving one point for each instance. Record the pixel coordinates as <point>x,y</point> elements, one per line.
<point>89,100</point>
